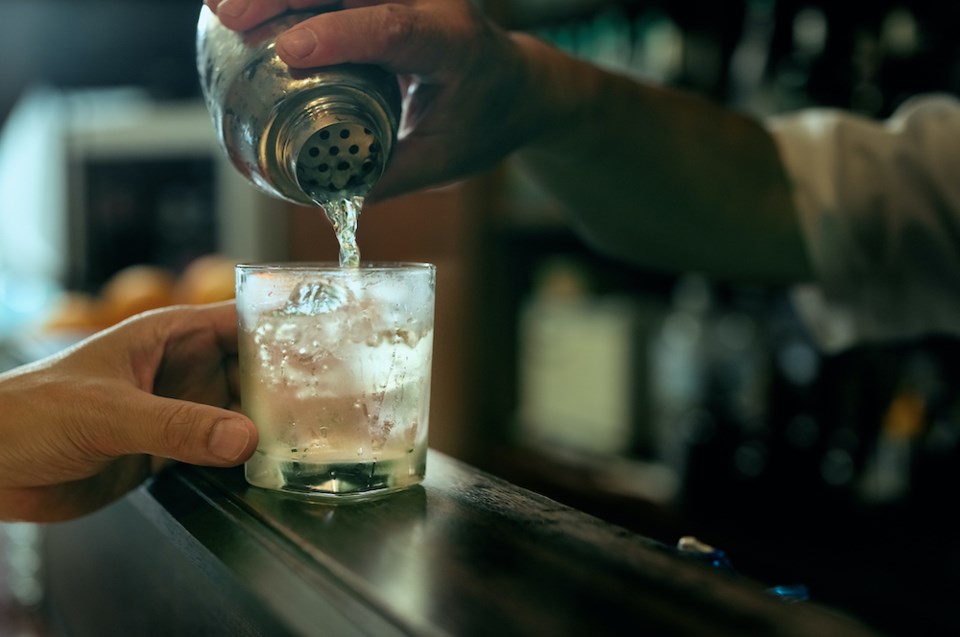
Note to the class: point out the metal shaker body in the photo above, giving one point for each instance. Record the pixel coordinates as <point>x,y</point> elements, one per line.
<point>307,136</point>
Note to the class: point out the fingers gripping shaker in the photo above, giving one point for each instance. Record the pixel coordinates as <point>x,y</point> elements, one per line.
<point>310,136</point>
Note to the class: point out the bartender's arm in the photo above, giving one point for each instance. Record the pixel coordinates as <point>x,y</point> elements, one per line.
<point>867,211</point>
<point>81,428</point>
<point>655,177</point>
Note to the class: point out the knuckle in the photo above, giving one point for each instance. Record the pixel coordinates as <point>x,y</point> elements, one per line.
<point>176,433</point>
<point>400,25</point>
<point>87,427</point>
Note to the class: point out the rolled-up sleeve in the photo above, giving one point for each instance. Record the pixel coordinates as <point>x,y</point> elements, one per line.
<point>880,211</point>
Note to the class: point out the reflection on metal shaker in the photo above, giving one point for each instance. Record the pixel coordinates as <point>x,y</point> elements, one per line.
<point>307,136</point>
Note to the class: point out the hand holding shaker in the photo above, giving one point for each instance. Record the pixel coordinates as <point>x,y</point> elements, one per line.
<point>310,136</point>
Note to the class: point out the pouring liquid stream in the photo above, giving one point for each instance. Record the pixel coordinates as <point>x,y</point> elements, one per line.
<point>344,215</point>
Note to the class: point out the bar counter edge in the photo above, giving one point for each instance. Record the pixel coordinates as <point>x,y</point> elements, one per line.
<point>197,551</point>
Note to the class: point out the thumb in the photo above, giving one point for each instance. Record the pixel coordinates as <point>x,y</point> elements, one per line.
<point>190,432</point>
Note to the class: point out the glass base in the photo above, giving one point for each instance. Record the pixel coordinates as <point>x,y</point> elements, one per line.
<point>336,481</point>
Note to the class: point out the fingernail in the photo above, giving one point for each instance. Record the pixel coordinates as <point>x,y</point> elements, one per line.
<point>298,43</point>
<point>233,8</point>
<point>229,439</point>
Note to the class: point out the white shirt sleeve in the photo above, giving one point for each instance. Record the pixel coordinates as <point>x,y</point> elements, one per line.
<point>880,211</point>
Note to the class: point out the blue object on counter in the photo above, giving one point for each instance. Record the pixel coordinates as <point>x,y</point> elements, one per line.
<point>692,547</point>
<point>790,592</point>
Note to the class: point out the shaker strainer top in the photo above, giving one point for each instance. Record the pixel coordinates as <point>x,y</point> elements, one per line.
<point>343,159</point>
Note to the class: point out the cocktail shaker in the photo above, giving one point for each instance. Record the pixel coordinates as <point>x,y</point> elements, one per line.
<point>310,136</point>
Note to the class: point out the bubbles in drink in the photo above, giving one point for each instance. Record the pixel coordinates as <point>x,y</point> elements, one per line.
<point>320,395</point>
<point>336,372</point>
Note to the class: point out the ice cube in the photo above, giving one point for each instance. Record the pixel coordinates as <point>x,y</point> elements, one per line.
<point>310,298</point>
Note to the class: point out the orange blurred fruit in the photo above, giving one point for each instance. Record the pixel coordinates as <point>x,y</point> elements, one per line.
<point>136,289</point>
<point>76,312</point>
<point>207,279</point>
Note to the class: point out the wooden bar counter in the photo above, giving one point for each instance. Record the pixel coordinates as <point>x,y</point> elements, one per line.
<point>198,552</point>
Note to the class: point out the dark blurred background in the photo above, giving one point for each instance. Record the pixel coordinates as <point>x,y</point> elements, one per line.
<point>670,404</point>
<point>96,43</point>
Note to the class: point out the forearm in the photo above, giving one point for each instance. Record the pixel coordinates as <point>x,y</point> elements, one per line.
<point>663,179</point>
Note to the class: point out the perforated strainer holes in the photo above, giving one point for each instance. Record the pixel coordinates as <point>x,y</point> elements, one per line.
<point>341,157</point>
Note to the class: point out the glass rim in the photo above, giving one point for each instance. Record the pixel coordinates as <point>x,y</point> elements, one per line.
<point>333,266</point>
